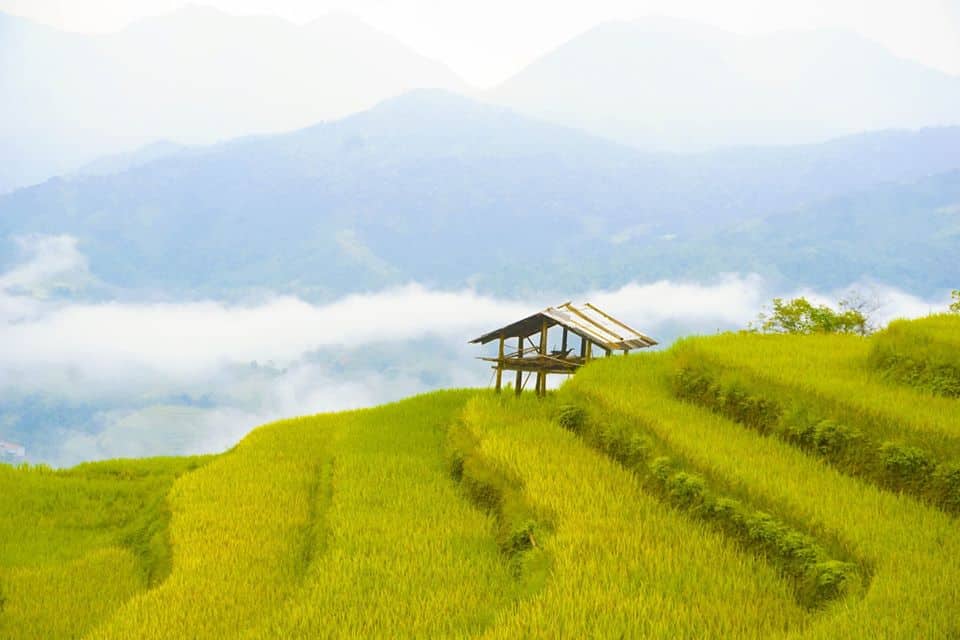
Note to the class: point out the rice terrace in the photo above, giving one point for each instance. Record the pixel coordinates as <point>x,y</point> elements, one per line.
<point>746,485</point>
<point>437,319</point>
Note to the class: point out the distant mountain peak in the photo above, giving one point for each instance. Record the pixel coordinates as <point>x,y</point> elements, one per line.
<point>667,84</point>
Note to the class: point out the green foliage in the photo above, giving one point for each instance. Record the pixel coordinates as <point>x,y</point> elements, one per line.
<point>955,301</point>
<point>800,316</point>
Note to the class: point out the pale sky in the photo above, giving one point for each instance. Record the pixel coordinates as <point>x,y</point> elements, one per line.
<point>487,41</point>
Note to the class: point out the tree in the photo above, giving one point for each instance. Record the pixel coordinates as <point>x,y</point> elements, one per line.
<point>955,305</point>
<point>800,316</point>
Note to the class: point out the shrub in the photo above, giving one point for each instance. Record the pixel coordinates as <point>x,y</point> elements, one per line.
<point>905,464</point>
<point>571,417</point>
<point>800,316</point>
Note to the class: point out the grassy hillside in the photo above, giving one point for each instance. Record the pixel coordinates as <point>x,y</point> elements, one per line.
<point>924,354</point>
<point>76,544</point>
<point>737,486</point>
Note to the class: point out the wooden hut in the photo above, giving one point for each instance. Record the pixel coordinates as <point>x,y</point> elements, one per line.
<point>585,331</point>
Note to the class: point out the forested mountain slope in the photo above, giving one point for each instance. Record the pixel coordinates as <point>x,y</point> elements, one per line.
<point>389,195</point>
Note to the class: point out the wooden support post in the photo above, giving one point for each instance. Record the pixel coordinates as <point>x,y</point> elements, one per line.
<point>609,352</point>
<point>518,384</point>
<point>500,364</point>
<point>589,351</point>
<point>563,344</point>
<point>583,348</point>
<point>542,375</point>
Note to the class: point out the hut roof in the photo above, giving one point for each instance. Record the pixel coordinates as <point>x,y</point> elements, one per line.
<point>587,321</point>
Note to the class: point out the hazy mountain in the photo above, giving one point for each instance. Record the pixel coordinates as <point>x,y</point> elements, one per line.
<point>194,76</point>
<point>673,85</point>
<point>119,162</point>
<point>901,234</point>
<point>437,188</point>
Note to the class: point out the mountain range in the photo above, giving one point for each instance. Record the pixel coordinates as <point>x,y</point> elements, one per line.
<point>448,191</point>
<point>669,84</point>
<point>194,76</point>
<point>198,76</point>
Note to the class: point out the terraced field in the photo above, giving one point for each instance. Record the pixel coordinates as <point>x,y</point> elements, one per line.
<point>922,353</point>
<point>738,486</point>
<point>76,544</point>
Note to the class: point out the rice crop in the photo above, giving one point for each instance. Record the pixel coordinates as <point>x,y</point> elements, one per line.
<point>871,432</point>
<point>737,486</point>
<point>75,544</point>
<point>615,553</point>
<point>403,553</point>
<point>911,549</point>
<point>921,353</point>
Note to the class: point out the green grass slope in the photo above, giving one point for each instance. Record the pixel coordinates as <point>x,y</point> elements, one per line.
<point>76,544</point>
<point>820,394</point>
<point>910,550</point>
<point>922,353</point>
<point>738,486</point>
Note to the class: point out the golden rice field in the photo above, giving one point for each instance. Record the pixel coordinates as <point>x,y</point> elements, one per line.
<point>921,353</point>
<point>738,486</point>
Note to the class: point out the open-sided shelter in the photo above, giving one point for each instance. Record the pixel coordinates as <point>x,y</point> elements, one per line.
<point>584,328</point>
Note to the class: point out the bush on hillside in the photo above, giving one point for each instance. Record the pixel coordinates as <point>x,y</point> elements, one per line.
<point>800,316</point>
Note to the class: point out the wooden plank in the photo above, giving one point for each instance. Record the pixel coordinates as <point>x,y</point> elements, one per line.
<point>500,364</point>
<point>542,375</point>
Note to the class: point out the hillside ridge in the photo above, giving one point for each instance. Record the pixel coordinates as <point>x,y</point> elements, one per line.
<point>704,489</point>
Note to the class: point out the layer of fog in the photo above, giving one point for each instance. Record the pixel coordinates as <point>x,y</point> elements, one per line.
<point>91,380</point>
<point>460,33</point>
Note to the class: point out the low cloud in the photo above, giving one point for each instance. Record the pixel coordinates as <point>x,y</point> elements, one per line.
<point>88,380</point>
<point>730,302</point>
<point>50,263</point>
